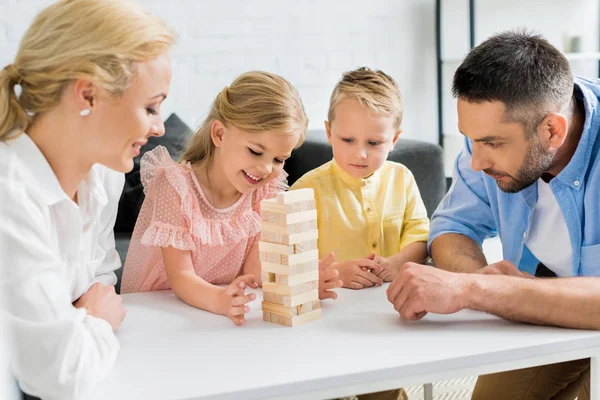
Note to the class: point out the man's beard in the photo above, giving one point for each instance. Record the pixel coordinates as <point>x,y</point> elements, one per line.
<point>537,161</point>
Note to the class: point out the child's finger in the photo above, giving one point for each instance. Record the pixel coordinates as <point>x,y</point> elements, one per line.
<point>238,311</point>
<point>370,257</point>
<point>368,276</point>
<point>328,294</point>
<point>329,274</point>
<point>234,288</point>
<point>332,284</point>
<point>326,263</point>
<point>248,279</point>
<point>363,281</point>
<point>238,320</point>
<point>354,285</point>
<point>371,266</point>
<point>385,275</point>
<point>241,300</point>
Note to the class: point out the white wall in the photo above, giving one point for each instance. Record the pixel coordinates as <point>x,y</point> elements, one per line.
<point>309,42</point>
<point>554,19</point>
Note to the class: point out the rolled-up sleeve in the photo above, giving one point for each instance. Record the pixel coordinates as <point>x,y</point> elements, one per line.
<point>60,352</point>
<point>466,207</point>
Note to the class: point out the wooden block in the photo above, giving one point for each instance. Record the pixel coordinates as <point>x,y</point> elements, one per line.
<point>296,279</point>
<point>300,227</point>
<point>273,258</point>
<point>271,205</point>
<point>270,277</point>
<point>276,288</point>
<point>291,301</point>
<point>292,238</point>
<point>294,196</point>
<point>307,307</point>
<point>285,219</point>
<point>292,321</point>
<point>293,259</point>
<point>277,248</point>
<point>279,309</point>
<point>290,269</point>
<point>305,246</point>
<point>300,258</point>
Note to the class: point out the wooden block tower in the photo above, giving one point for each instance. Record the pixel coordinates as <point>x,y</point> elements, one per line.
<point>290,258</point>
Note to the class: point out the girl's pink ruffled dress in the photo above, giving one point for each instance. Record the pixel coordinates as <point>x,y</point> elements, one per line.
<point>176,213</point>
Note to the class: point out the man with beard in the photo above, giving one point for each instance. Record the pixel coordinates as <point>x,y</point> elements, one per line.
<point>530,172</point>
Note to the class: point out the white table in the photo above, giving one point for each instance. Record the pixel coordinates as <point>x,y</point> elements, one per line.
<point>173,351</point>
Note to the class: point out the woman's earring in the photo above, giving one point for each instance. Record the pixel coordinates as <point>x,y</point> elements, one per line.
<point>84,112</point>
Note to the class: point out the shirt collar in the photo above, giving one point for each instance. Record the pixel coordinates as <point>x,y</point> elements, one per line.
<point>91,193</point>
<point>38,167</point>
<point>574,173</point>
<point>352,182</point>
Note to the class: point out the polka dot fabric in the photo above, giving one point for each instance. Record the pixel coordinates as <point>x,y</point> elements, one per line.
<point>176,213</point>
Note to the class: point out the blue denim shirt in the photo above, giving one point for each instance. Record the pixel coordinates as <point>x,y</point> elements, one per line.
<point>477,208</point>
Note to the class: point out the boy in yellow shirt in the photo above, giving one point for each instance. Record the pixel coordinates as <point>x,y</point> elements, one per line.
<point>370,212</point>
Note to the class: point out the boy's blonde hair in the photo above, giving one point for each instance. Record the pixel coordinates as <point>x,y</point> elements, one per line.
<point>256,101</point>
<point>373,89</point>
<point>99,40</point>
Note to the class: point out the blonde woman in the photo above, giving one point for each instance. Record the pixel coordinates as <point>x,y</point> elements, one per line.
<point>199,224</point>
<point>81,98</point>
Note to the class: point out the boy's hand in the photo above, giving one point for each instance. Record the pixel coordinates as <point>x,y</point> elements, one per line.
<point>359,274</point>
<point>328,278</point>
<point>387,272</point>
<point>233,299</point>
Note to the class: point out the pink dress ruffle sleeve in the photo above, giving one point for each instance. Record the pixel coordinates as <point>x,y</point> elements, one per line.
<point>176,213</point>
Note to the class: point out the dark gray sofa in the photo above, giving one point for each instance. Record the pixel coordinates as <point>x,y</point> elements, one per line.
<point>424,159</point>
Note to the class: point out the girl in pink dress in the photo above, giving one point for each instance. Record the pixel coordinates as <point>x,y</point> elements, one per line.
<point>199,224</point>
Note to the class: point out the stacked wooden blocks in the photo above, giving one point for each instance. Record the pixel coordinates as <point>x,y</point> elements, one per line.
<point>290,258</point>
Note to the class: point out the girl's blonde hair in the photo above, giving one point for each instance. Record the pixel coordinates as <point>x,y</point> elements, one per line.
<point>255,101</point>
<point>99,40</point>
<point>375,90</point>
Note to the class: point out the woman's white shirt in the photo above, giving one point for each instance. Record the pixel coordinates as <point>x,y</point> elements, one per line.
<point>53,251</point>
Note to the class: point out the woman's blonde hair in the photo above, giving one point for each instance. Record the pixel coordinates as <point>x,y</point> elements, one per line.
<point>255,101</point>
<point>375,90</point>
<point>99,40</point>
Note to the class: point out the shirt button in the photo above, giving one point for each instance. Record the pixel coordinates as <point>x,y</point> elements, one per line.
<point>369,209</point>
<point>576,183</point>
<point>374,244</point>
<point>524,235</point>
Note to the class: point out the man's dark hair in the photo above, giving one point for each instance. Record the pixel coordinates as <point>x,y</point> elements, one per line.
<point>520,69</point>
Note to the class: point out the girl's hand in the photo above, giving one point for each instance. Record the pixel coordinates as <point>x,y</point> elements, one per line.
<point>234,300</point>
<point>359,274</point>
<point>328,278</point>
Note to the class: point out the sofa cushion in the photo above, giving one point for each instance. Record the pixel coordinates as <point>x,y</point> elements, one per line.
<point>425,160</point>
<point>174,139</point>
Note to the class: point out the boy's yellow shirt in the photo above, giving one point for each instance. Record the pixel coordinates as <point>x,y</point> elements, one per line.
<point>381,214</point>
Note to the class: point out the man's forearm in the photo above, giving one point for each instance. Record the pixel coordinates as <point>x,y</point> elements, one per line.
<point>566,302</point>
<point>457,253</point>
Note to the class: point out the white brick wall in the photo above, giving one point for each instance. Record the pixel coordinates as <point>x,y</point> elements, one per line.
<point>309,42</point>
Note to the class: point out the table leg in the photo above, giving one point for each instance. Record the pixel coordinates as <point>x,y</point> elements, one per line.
<point>595,378</point>
<point>428,391</point>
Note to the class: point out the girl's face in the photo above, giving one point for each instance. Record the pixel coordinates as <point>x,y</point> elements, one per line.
<point>119,127</point>
<point>252,159</point>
